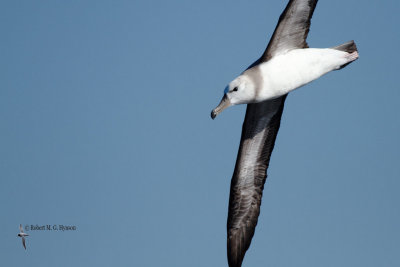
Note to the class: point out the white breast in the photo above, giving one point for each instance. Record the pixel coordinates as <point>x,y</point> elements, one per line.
<point>289,71</point>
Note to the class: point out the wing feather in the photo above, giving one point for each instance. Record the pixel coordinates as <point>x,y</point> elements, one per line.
<point>292,28</point>
<point>259,132</point>
<point>257,142</point>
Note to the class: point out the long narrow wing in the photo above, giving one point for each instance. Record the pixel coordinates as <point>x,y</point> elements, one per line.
<point>259,132</point>
<point>20,228</point>
<point>23,242</point>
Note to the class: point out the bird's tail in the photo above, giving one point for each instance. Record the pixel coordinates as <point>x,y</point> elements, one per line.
<point>349,47</point>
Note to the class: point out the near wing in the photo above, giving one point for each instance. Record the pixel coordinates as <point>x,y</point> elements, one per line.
<point>259,132</point>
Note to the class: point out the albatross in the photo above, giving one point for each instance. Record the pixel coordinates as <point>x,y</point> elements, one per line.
<point>287,64</point>
<point>22,235</point>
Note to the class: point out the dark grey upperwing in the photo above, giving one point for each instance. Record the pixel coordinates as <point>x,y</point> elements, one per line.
<point>259,132</point>
<point>292,29</point>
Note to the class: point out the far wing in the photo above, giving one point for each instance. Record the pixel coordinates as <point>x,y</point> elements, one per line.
<point>292,29</point>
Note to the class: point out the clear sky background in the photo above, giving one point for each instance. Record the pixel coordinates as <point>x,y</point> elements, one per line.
<point>105,125</point>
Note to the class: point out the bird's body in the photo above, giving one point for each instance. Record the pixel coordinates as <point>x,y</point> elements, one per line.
<point>286,64</point>
<point>287,72</point>
<point>22,234</point>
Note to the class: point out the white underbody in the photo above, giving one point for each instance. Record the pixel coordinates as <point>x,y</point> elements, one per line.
<point>285,73</point>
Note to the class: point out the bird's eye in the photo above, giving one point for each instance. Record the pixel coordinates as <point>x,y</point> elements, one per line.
<point>235,89</point>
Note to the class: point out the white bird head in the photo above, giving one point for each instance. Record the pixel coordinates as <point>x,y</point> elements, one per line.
<point>240,91</point>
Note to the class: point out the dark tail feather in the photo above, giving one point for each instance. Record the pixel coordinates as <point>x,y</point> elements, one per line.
<point>349,47</point>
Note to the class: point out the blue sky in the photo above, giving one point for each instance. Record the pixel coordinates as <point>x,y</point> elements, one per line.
<point>105,125</point>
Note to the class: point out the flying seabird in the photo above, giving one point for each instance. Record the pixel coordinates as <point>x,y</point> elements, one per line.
<point>22,235</point>
<point>287,63</point>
